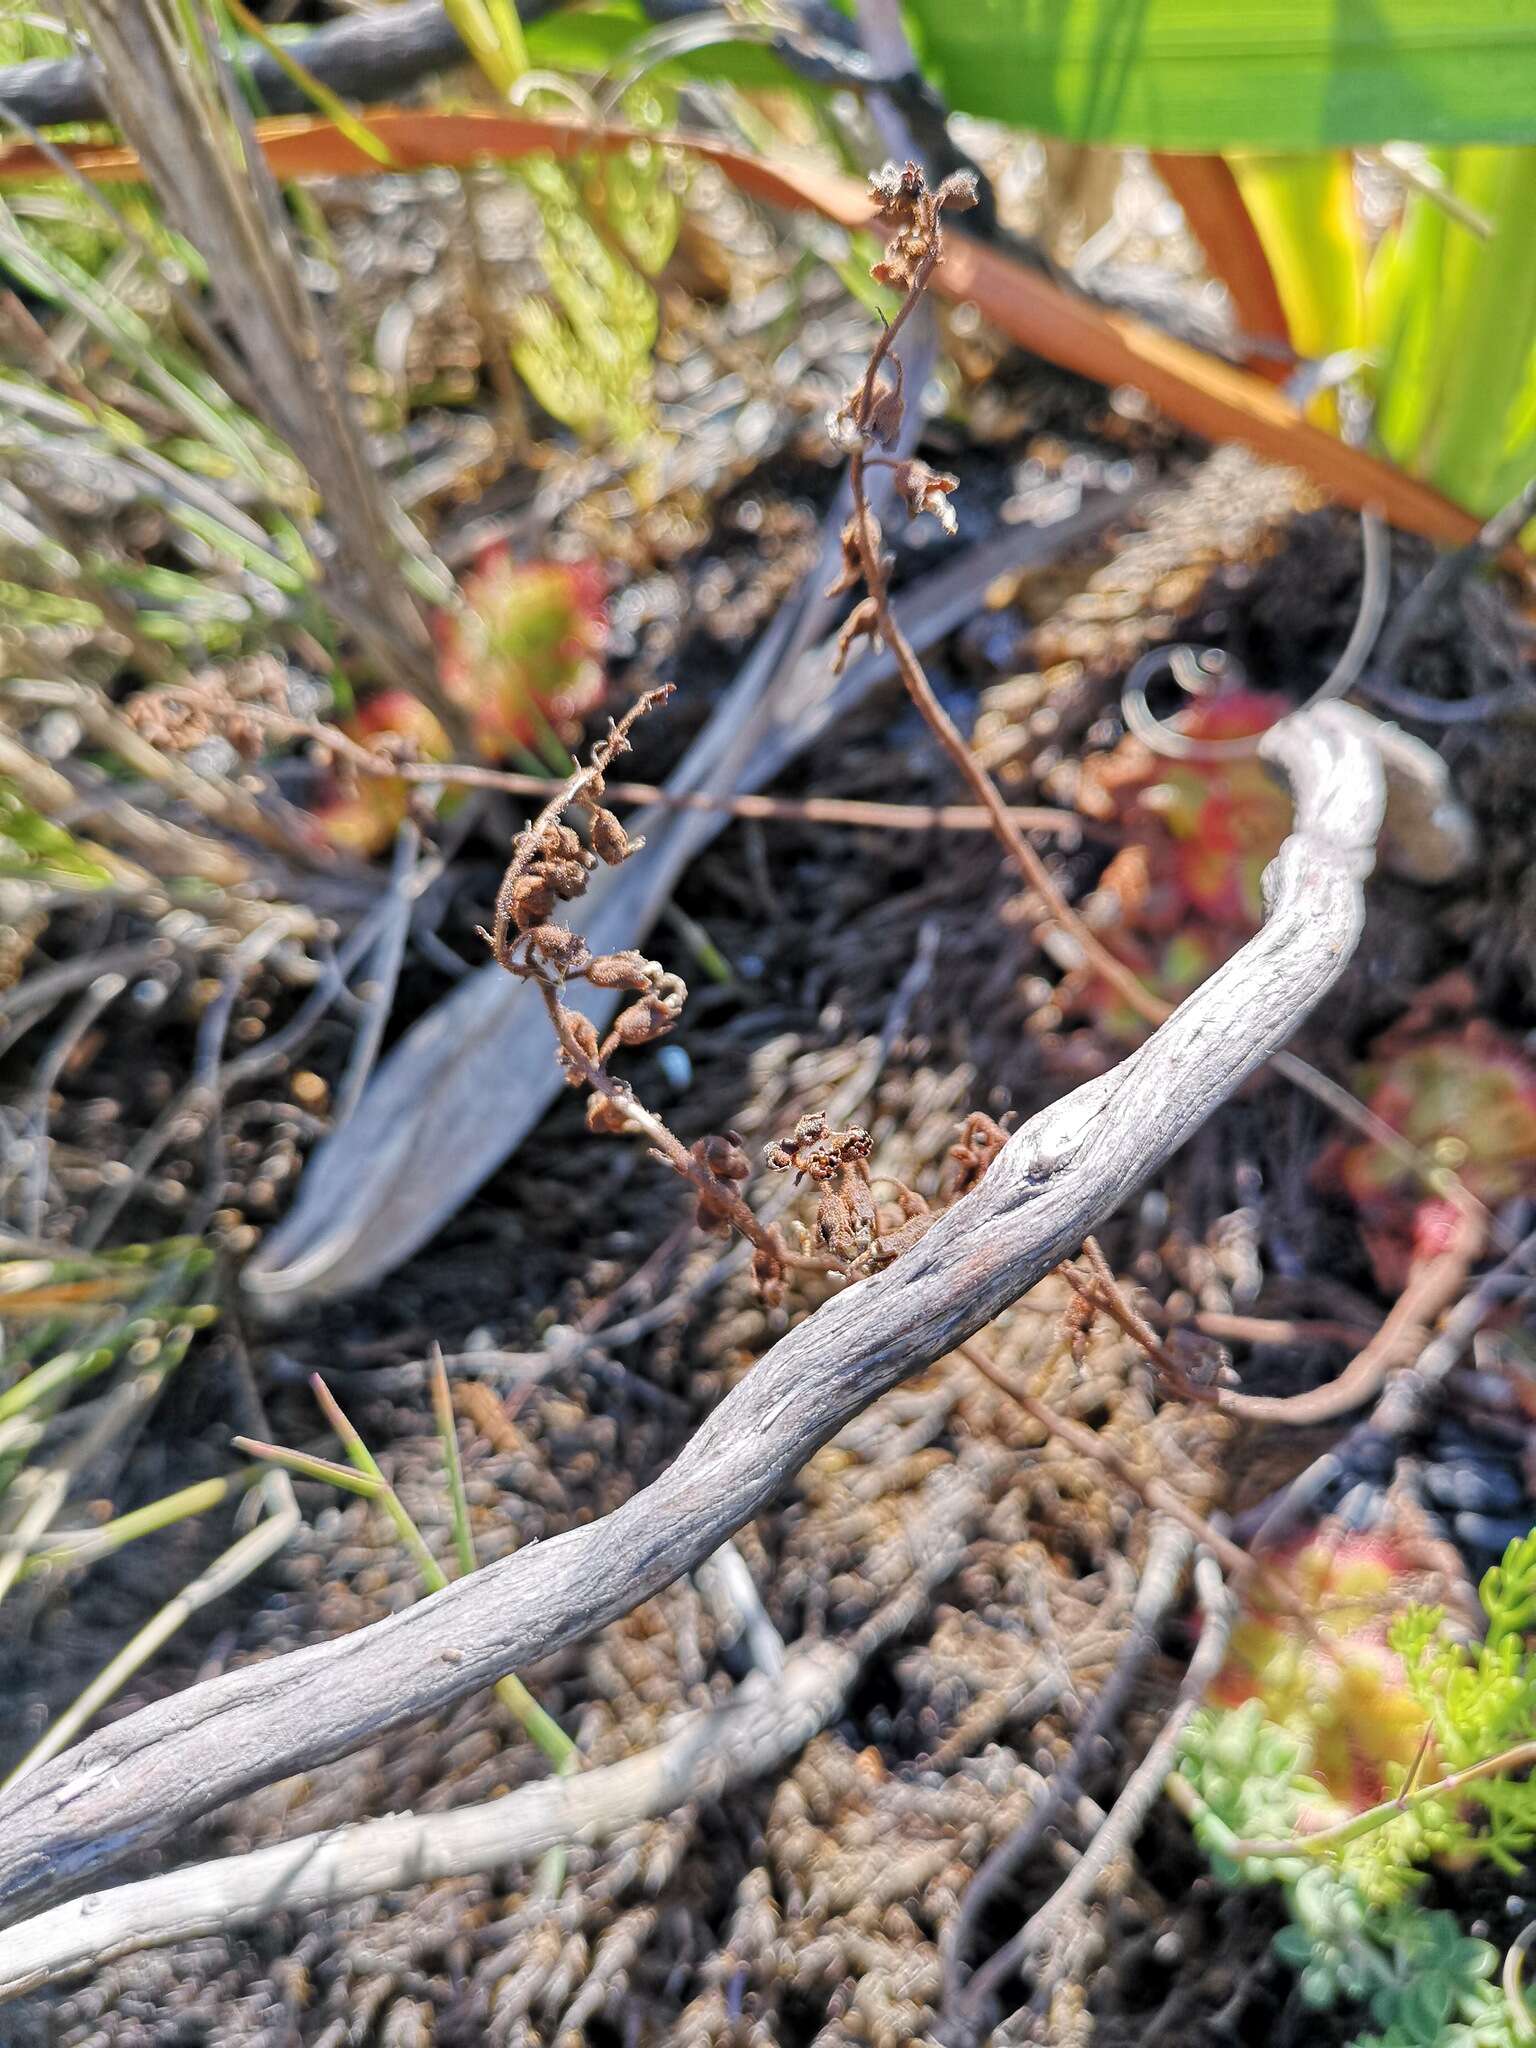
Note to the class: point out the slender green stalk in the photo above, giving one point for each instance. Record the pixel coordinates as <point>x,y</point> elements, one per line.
<point>448,1437</point>
<point>118,1417</point>
<point>540,1726</point>
<point>433,1577</point>
<point>91,1544</point>
<point>1326,1840</point>
<point>327,102</point>
<point>493,35</point>
<point>64,1370</point>
<point>303,1466</point>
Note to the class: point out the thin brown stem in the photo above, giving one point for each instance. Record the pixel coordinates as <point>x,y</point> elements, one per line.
<point>1433,1285</point>
<point>854,813</point>
<point>578,783</point>
<point>1089,946</point>
<point>668,1147</point>
<point>1105,1292</point>
<point>1156,1493</point>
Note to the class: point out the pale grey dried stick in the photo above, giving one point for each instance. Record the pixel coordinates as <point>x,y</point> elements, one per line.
<point>767,1720</point>
<point>1055,1180</point>
<point>1123,1823</point>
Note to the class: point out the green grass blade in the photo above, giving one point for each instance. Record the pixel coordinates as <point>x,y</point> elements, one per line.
<point>327,102</point>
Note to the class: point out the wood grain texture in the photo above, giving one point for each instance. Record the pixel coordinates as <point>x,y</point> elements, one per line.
<point>766,1721</point>
<point>147,1776</point>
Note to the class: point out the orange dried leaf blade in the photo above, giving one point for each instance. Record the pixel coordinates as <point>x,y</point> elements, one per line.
<point>1209,397</point>
<point>1212,205</point>
<point>64,1295</point>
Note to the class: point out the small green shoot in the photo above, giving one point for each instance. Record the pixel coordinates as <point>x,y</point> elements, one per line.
<point>362,1475</point>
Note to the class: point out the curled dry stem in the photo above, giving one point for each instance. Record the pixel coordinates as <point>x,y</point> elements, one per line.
<point>173,716</point>
<point>869,418</point>
<point>551,864</point>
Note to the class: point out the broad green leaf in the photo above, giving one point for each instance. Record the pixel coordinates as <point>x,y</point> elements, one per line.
<point>1495,337</point>
<point>1403,319</point>
<point>1451,328</point>
<point>1303,208</point>
<point>1208,75</point>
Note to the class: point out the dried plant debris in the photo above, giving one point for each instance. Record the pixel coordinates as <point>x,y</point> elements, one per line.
<point>828,1891</point>
<point>824,1054</point>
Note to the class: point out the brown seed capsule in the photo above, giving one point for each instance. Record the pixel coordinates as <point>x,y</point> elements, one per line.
<point>568,878</point>
<point>560,842</point>
<point>623,970</point>
<point>652,1017</point>
<point>722,1156</point>
<point>768,1272</point>
<point>556,947</point>
<point>610,842</point>
<point>582,1031</point>
<point>532,900</point>
<point>606,1117</point>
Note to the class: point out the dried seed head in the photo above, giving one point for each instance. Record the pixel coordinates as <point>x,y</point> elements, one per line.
<point>851,575</point>
<point>862,623</point>
<point>563,951</point>
<point>819,1152</point>
<point>584,1034</point>
<point>568,878</point>
<point>532,901</point>
<point>722,1156</point>
<point>606,1117</point>
<point>768,1272</point>
<point>907,206</point>
<point>610,842</point>
<point>561,842</point>
<point>653,1016</point>
<point>628,969</point>
<point>898,191</point>
<point>927,490</point>
<point>885,409</point>
<point>844,430</point>
<point>845,1214</point>
<point>979,1142</point>
<point>958,192</point>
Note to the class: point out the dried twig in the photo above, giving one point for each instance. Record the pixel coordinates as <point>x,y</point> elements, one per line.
<point>1126,1818</point>
<point>868,420</point>
<point>767,1720</point>
<point>1400,1406</point>
<point>1156,1492</point>
<point>103,991</point>
<point>146,1776</point>
<point>806,810</point>
<point>1433,1285</point>
<point>1167,1556</point>
<point>422,1141</point>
